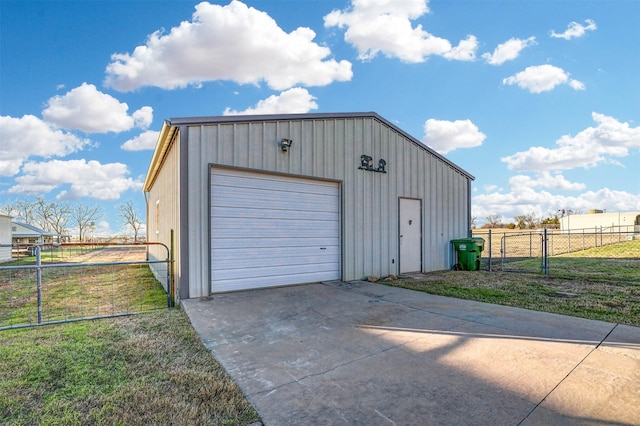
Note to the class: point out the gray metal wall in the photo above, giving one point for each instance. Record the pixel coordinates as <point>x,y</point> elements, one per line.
<point>330,148</point>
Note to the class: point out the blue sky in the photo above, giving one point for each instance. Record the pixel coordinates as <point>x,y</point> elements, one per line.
<point>540,100</point>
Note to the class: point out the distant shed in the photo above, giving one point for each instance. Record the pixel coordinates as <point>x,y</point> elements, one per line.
<point>262,201</point>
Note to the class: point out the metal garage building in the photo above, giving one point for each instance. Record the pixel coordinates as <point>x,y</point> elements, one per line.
<point>261,201</point>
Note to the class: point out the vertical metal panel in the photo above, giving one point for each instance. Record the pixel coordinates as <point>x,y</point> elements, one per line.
<point>330,148</point>
<point>164,196</point>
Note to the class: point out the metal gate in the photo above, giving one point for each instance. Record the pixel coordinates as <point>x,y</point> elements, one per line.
<point>524,252</point>
<point>55,283</point>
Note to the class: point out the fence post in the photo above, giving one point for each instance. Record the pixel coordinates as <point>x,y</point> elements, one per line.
<point>171,289</point>
<point>39,282</point>
<point>545,252</point>
<point>490,249</point>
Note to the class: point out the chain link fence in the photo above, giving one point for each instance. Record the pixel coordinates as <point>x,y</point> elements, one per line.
<point>540,250</point>
<point>47,284</point>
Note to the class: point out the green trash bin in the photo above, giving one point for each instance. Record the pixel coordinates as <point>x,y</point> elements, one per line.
<point>469,252</point>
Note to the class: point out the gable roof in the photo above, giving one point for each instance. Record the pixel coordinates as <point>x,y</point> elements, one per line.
<point>29,230</point>
<point>170,126</point>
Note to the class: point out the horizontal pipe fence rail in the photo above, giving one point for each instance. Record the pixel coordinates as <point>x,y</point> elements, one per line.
<point>56,283</point>
<point>539,250</point>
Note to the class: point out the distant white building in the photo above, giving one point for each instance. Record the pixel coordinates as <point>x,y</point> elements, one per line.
<point>5,237</point>
<point>23,233</point>
<point>597,220</point>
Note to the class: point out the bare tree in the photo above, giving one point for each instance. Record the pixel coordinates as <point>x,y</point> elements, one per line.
<point>42,213</point>
<point>131,219</point>
<point>85,218</point>
<point>521,221</point>
<point>21,209</point>
<point>59,216</point>
<point>494,220</point>
<point>531,220</point>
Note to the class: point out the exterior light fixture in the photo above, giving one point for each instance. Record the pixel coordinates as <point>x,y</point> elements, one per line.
<point>285,144</point>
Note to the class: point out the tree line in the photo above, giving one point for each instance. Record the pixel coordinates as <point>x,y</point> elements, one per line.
<point>59,217</point>
<point>525,221</point>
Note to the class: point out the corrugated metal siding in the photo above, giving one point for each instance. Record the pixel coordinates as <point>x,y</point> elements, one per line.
<point>165,193</point>
<point>331,149</point>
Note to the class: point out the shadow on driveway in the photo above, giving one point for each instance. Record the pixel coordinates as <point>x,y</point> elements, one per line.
<point>363,353</point>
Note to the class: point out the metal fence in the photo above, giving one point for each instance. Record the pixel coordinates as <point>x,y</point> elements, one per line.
<point>48,284</point>
<point>531,251</point>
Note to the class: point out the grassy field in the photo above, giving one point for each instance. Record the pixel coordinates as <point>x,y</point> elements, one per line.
<point>602,283</point>
<point>82,290</point>
<point>138,370</point>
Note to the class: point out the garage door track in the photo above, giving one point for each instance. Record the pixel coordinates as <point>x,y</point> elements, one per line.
<point>363,353</point>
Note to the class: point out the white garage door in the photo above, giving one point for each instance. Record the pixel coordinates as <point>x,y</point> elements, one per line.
<point>269,230</point>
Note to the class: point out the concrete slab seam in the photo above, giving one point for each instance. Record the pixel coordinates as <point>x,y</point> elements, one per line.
<point>569,374</point>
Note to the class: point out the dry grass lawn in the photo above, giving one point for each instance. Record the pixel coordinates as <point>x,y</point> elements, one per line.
<point>147,369</point>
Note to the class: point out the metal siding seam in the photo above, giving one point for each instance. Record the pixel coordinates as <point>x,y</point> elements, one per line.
<point>183,215</point>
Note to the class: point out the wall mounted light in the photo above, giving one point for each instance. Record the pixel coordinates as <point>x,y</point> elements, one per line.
<point>285,144</point>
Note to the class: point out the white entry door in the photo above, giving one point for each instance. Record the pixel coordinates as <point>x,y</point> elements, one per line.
<point>410,235</point>
<point>270,230</point>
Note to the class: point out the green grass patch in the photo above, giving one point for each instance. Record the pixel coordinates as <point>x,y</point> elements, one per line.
<point>144,369</point>
<point>608,291</point>
<point>78,292</point>
<point>620,250</point>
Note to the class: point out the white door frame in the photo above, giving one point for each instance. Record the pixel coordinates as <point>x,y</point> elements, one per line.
<point>409,235</point>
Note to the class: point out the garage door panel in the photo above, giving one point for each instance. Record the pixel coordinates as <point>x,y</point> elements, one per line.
<point>274,242</point>
<point>269,230</point>
<point>264,282</point>
<point>262,213</point>
<point>271,271</point>
<point>279,229</point>
<point>277,200</point>
<point>287,256</point>
<point>250,180</point>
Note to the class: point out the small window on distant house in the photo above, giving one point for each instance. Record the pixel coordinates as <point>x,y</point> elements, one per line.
<point>157,217</point>
<point>13,229</point>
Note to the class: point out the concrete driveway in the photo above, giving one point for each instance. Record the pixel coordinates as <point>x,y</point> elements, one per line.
<point>362,353</point>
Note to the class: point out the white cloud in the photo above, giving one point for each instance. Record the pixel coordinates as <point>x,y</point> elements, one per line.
<point>591,146</point>
<point>29,136</point>
<point>385,27</point>
<point>542,78</point>
<point>546,180</point>
<point>296,100</point>
<point>87,109</point>
<point>523,198</point>
<point>103,229</point>
<point>85,179</point>
<point>232,42</point>
<point>143,117</point>
<point>509,50</point>
<point>144,141</point>
<point>445,136</point>
<point>575,29</point>
<point>577,85</point>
